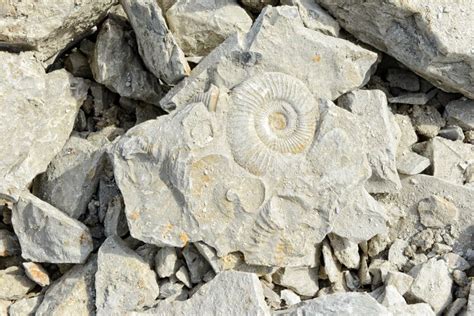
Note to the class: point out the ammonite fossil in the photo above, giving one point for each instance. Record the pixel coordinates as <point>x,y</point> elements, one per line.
<point>272,116</point>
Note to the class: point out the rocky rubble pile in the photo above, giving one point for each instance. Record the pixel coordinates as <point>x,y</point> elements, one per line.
<point>254,157</point>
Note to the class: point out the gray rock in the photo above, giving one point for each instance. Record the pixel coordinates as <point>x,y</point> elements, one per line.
<point>420,309</point>
<point>436,211</point>
<point>116,65</point>
<point>197,265</point>
<point>61,240</point>
<point>25,306</point>
<point>337,304</point>
<point>199,27</point>
<point>432,284</point>
<point>221,296</point>
<point>124,281</point>
<point>456,307</point>
<point>257,5</point>
<point>346,251</point>
<point>289,297</point>
<point>78,65</point>
<point>470,303</point>
<point>48,27</point>
<point>276,34</point>
<point>408,135</point>
<point>332,267</point>
<point>443,54</point>
<point>302,280</point>
<point>410,163</point>
<point>36,128</point>
<point>36,273</point>
<point>461,113</point>
<point>72,177</point>
<point>115,222</point>
<point>414,98</point>
<point>391,297</point>
<point>403,79</point>
<point>4,305</point>
<point>156,44</point>
<point>401,281</point>
<point>166,262</point>
<point>169,289</point>
<point>314,17</point>
<point>382,134</point>
<point>9,245</point>
<point>73,293</point>
<point>455,261</point>
<point>183,275</point>
<point>379,269</point>
<point>14,284</point>
<point>427,120</point>
<point>453,133</point>
<point>166,4</point>
<point>396,253</point>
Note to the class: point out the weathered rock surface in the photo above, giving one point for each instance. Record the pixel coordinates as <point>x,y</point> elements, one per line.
<point>460,113</point>
<point>38,112</point>
<point>36,273</point>
<point>124,281</point>
<point>437,212</point>
<point>9,245</point>
<point>14,284</point>
<point>166,262</point>
<point>346,251</point>
<point>420,309</point>
<point>156,44</point>
<point>48,235</point>
<point>25,306</point>
<point>116,65</point>
<point>224,295</point>
<point>410,163</point>
<point>48,27</point>
<point>401,281</point>
<point>443,53</point>
<point>302,280</point>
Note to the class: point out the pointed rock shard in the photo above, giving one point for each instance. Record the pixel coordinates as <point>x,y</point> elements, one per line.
<point>62,240</point>
<point>156,44</point>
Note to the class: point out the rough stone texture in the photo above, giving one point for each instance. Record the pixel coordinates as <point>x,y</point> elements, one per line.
<point>455,261</point>
<point>25,306</point>
<point>35,129</point>
<point>420,309</point>
<point>199,27</point>
<point>36,273</point>
<point>314,17</point>
<point>48,27</point>
<point>222,181</point>
<point>116,64</point>
<point>470,303</point>
<point>124,281</point>
<point>432,284</point>
<point>14,284</point>
<point>289,297</point>
<point>414,98</point>
<point>391,297</point>
<point>396,253</point>
<point>427,120</point>
<point>403,79</point>
<point>401,281</point>
<point>156,44</point>
<point>302,280</point>
<point>223,295</point>
<point>257,5</point>
<point>410,163</point>
<point>346,251</point>
<point>183,275</point>
<point>332,267</point>
<point>443,53</point>
<point>72,177</point>
<point>408,135</point>
<point>166,262</point>
<point>73,293</point>
<point>276,34</point>
<point>197,265</point>
<point>337,304</point>
<point>9,245</point>
<point>166,4</point>
<point>461,113</point>
<point>437,212</point>
<point>48,235</point>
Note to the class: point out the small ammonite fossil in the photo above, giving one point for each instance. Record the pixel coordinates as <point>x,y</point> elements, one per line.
<point>272,116</point>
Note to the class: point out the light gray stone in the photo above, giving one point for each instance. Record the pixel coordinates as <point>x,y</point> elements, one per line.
<point>169,289</point>
<point>197,265</point>
<point>381,132</point>
<point>73,293</point>
<point>391,297</point>
<point>124,281</point>
<point>199,27</point>
<point>116,65</point>
<point>314,17</point>
<point>14,284</point>
<point>302,280</point>
<point>346,251</point>
<point>48,235</point>
<point>427,120</point>
<point>436,211</point>
<point>289,297</point>
<point>403,79</point>
<point>183,275</point>
<point>443,53</point>
<point>36,273</point>
<point>414,98</point>
<point>378,244</point>
<point>408,135</point>
<point>36,128</point>
<point>337,304</point>
<point>379,269</point>
<point>456,307</point>
<point>470,303</point>
<point>364,275</point>
<point>166,262</point>
<point>156,44</point>
<point>25,306</point>
<point>396,253</point>
<point>72,177</point>
<point>420,309</point>
<point>453,133</point>
<point>461,113</point>
<point>401,281</point>
<point>115,222</point>
<point>332,267</point>
<point>9,245</point>
<point>224,295</point>
<point>455,261</point>
<point>410,163</point>
<point>48,27</point>
<point>4,305</point>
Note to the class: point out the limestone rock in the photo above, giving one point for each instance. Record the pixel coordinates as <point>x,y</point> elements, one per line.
<point>276,34</point>
<point>223,182</point>
<point>470,303</point>
<point>156,44</point>
<point>302,280</point>
<point>410,163</point>
<point>199,27</point>
<point>49,27</point>
<point>346,251</point>
<point>166,262</point>
<point>25,306</point>
<point>420,309</point>
<point>124,281</point>
<point>461,113</point>
<point>4,305</point>
<point>14,284</point>
<point>452,132</point>
<point>72,177</point>
<point>443,54</point>
<point>337,304</point>
<point>36,273</point>
<point>197,265</point>
<point>427,120</point>
<point>436,211</point>
<point>391,297</point>
<point>455,261</point>
<point>223,295</point>
<point>73,293</point>
<point>61,240</point>
<point>382,134</point>
<point>419,98</point>
<point>289,297</point>
<point>403,79</point>
<point>257,5</point>
<point>116,65</point>
<point>314,17</point>
<point>408,135</point>
<point>9,245</point>
<point>36,128</point>
<point>183,275</point>
<point>401,281</point>
<point>332,267</point>
<point>396,253</point>
<point>166,4</point>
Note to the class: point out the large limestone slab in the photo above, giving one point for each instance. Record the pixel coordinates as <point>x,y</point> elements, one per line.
<point>271,189</point>
<point>48,27</point>
<point>277,34</point>
<point>442,31</point>
<point>48,235</point>
<point>156,44</point>
<point>38,112</point>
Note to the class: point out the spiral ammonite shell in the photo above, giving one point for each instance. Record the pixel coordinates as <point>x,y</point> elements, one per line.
<point>273,115</point>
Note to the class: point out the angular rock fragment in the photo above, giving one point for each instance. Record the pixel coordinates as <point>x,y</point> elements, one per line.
<point>391,297</point>
<point>420,309</point>
<point>124,281</point>
<point>166,4</point>
<point>197,265</point>
<point>289,297</point>
<point>302,280</point>
<point>410,163</point>
<point>78,65</point>
<point>73,293</point>
<point>461,113</point>
<point>403,79</point>
<point>156,44</point>
<point>427,120</point>
<point>332,267</point>
<point>116,65</point>
<point>455,261</point>
<point>9,245</point>
<point>414,98</point>
<point>452,132</point>
<point>437,212</point>
<point>48,235</point>
<point>25,306</point>
<point>183,275</point>
<point>166,262</point>
<point>443,53</point>
<point>401,281</point>
<point>14,284</point>
<point>470,303</point>
<point>408,135</point>
<point>346,251</point>
<point>199,27</point>
<point>48,27</point>
<point>257,5</point>
<point>36,273</point>
<point>38,112</point>
<point>396,253</point>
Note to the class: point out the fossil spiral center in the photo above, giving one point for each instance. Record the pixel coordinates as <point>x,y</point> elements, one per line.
<point>278,121</point>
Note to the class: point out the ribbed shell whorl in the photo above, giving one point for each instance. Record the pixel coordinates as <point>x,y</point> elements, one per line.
<point>273,115</point>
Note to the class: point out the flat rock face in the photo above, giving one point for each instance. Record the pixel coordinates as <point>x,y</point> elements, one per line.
<point>14,284</point>
<point>443,53</point>
<point>461,113</point>
<point>38,112</point>
<point>48,26</point>
<point>48,235</point>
